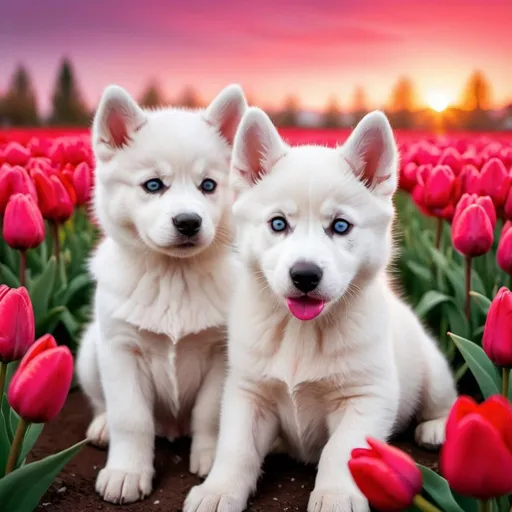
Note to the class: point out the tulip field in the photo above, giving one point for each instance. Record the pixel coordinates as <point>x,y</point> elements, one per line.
<point>453,262</point>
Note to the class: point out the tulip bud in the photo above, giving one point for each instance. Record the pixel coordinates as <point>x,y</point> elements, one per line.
<point>408,177</point>
<point>484,201</point>
<point>65,207</point>
<point>451,157</point>
<point>476,458</point>
<point>39,388</point>
<point>23,223</point>
<point>14,180</point>
<point>439,187</point>
<point>17,325</point>
<point>82,181</point>
<point>472,232</point>
<point>495,181</point>
<point>388,477</point>
<point>16,154</point>
<point>45,193</point>
<point>497,339</point>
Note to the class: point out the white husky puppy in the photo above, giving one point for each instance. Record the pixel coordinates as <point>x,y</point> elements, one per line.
<point>321,350</point>
<point>153,360</point>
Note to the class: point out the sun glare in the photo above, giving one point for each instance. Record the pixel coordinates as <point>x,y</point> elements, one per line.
<point>438,101</point>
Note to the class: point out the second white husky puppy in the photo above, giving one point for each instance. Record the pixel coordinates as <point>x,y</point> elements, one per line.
<point>153,360</point>
<point>321,350</point>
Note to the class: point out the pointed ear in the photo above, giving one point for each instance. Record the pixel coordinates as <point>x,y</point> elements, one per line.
<point>257,148</point>
<point>372,154</point>
<point>117,120</point>
<point>226,111</point>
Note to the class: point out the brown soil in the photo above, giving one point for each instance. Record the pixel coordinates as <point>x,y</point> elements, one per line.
<point>285,485</point>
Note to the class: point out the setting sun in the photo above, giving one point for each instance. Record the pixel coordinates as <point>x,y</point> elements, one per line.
<point>438,101</point>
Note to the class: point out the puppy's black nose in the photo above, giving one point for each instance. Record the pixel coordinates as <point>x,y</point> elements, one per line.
<point>187,224</point>
<point>305,276</point>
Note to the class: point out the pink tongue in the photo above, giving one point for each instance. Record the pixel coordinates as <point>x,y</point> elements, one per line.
<point>305,308</point>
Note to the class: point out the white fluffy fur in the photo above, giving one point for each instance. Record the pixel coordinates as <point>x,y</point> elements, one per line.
<point>153,360</point>
<point>365,366</point>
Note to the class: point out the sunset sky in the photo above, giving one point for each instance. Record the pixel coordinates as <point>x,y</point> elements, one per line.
<point>314,49</point>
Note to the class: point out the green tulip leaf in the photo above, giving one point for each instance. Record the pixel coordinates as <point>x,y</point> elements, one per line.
<point>22,490</point>
<point>439,490</point>
<point>49,321</point>
<point>484,371</point>
<point>419,270</point>
<point>13,420</point>
<point>457,320</point>
<point>429,301</point>
<point>5,444</point>
<point>31,436</point>
<point>8,277</point>
<point>75,286</point>
<point>467,504</point>
<point>483,302</point>
<point>42,288</point>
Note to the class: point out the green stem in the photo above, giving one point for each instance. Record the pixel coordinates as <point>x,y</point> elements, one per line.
<point>484,506</point>
<point>3,374</point>
<point>468,289</point>
<point>56,241</point>
<point>424,505</point>
<point>17,443</point>
<point>439,233</point>
<point>506,382</point>
<point>23,267</point>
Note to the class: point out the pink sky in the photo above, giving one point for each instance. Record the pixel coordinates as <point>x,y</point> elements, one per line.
<point>312,49</point>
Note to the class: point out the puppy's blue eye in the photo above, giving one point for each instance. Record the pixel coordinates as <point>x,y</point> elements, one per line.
<point>341,226</point>
<point>208,186</point>
<point>153,185</point>
<point>278,224</point>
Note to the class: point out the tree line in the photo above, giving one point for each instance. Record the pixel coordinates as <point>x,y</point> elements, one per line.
<point>18,106</point>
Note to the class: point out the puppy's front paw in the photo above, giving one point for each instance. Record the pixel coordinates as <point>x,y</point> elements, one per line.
<point>331,500</point>
<point>206,498</point>
<point>202,455</point>
<point>118,486</point>
<point>430,434</point>
<point>97,433</point>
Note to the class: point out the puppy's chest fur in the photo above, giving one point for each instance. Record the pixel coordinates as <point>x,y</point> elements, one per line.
<point>179,311</point>
<point>305,375</point>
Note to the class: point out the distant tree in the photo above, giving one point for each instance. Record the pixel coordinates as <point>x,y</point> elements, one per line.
<point>332,114</point>
<point>19,105</point>
<point>477,93</point>
<point>403,102</point>
<point>68,105</point>
<point>359,104</point>
<point>189,98</point>
<point>476,100</point>
<point>289,114</point>
<point>152,96</point>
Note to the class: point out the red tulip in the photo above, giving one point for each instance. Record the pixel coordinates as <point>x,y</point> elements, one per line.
<point>23,223</point>
<point>508,205</point>
<point>16,154</point>
<point>67,180</point>
<point>495,181</point>
<point>497,339</point>
<point>388,477</point>
<point>14,180</point>
<point>476,458</point>
<point>17,326</point>
<point>38,146</point>
<point>65,206</point>
<point>439,187</point>
<point>451,157</point>
<point>82,180</point>
<point>484,201</point>
<point>39,388</point>
<point>467,182</point>
<point>46,194</point>
<point>472,232</point>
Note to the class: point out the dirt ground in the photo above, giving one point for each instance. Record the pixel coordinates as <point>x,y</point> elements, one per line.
<point>285,485</point>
